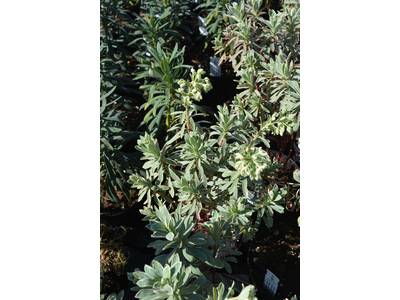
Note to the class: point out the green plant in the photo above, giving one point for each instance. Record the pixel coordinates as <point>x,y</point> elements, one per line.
<point>175,281</point>
<point>175,233</point>
<point>204,186</point>
<point>151,31</point>
<point>216,18</point>
<point>163,71</point>
<point>202,171</point>
<point>201,178</point>
<point>114,164</point>
<point>179,16</point>
<point>114,73</point>
<point>114,25</point>
<point>219,293</point>
<point>242,35</point>
<point>290,3</point>
<point>118,92</point>
<point>176,230</point>
<point>115,51</point>
<point>265,54</point>
<point>171,281</point>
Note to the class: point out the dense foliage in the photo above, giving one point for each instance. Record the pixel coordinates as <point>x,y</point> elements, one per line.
<point>204,181</point>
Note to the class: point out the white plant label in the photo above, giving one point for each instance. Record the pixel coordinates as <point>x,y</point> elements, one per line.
<point>271,282</point>
<point>147,53</point>
<point>202,26</point>
<point>215,70</point>
<point>250,195</point>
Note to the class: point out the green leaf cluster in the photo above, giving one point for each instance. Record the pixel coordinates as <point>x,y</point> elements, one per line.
<point>216,18</point>
<point>162,72</point>
<point>204,186</point>
<point>265,54</point>
<point>219,293</point>
<point>169,281</point>
<point>151,30</point>
<point>114,164</point>
<point>201,172</point>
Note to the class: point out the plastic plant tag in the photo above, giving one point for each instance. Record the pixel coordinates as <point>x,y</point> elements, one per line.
<point>250,195</point>
<point>196,1</point>
<point>271,282</point>
<point>215,70</point>
<point>202,26</point>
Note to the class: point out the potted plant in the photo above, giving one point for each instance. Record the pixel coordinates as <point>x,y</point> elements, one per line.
<point>265,54</point>
<point>117,96</point>
<point>205,185</point>
<point>195,180</point>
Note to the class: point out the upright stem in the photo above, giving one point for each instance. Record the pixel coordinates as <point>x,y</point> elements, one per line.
<point>187,120</point>
<point>169,116</point>
<point>168,122</point>
<point>213,268</point>
<point>220,144</point>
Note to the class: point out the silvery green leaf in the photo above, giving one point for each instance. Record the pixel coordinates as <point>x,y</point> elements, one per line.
<point>214,262</point>
<point>144,293</point>
<point>277,208</point>
<point>170,236</point>
<point>187,254</point>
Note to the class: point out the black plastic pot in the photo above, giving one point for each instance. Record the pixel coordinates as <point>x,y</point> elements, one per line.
<point>129,217</point>
<point>224,89</point>
<point>291,162</point>
<point>259,262</point>
<point>137,260</point>
<point>296,150</point>
<point>118,283</point>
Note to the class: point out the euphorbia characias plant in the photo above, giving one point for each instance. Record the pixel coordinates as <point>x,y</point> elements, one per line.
<point>265,55</point>
<point>207,171</point>
<point>219,179</point>
<point>162,71</point>
<point>175,281</point>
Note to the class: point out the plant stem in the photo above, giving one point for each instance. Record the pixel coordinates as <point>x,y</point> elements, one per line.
<point>168,117</point>
<point>213,268</point>
<point>220,144</point>
<point>187,120</point>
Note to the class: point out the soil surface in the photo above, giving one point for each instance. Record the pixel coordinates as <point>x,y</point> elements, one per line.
<point>110,207</point>
<point>278,250</point>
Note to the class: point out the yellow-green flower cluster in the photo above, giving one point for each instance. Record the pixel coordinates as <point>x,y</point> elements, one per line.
<point>191,89</point>
<point>251,161</point>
